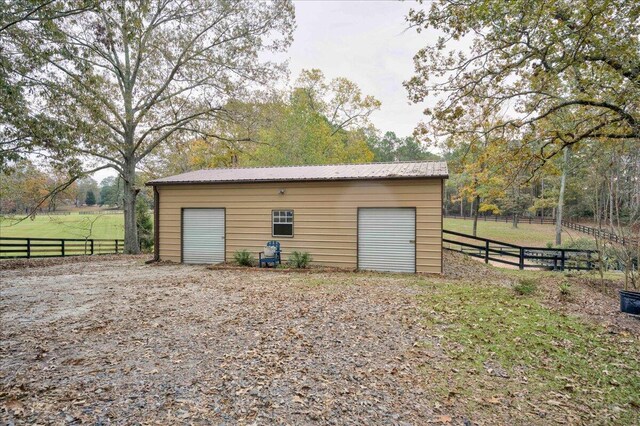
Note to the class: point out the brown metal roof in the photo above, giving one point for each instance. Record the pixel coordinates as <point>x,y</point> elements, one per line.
<point>400,170</point>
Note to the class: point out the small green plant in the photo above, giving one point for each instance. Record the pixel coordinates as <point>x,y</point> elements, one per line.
<point>299,259</point>
<point>525,287</point>
<point>549,244</point>
<point>565,288</point>
<point>243,258</point>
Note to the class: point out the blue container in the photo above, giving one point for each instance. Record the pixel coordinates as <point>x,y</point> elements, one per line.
<point>630,302</point>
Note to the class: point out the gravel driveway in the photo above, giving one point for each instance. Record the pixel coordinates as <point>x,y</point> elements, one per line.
<point>118,341</point>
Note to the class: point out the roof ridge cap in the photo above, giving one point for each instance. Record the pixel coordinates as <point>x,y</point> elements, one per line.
<point>321,165</point>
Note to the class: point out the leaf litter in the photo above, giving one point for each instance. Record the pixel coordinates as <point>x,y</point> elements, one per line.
<point>119,341</point>
<point>113,340</point>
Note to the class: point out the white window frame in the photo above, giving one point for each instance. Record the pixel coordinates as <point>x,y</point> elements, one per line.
<point>279,217</point>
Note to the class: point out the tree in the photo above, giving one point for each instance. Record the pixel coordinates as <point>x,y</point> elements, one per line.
<point>317,122</point>
<point>111,191</point>
<point>90,200</point>
<point>23,129</point>
<point>144,224</point>
<point>84,185</point>
<point>286,128</point>
<point>302,136</point>
<point>390,147</point>
<point>22,188</point>
<point>563,184</point>
<point>562,72</point>
<point>340,100</point>
<point>128,77</point>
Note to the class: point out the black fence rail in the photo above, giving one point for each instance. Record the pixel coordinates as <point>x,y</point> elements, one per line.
<point>601,233</point>
<point>37,213</point>
<point>506,219</point>
<point>102,212</point>
<point>13,248</point>
<point>519,256</point>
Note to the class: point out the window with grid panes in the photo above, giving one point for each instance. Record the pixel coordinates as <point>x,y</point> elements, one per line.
<point>282,223</point>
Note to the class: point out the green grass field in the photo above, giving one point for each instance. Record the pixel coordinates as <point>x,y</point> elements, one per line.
<point>96,226</point>
<point>534,235</point>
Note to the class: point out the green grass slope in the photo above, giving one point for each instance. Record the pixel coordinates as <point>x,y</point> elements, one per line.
<point>96,226</point>
<point>535,235</point>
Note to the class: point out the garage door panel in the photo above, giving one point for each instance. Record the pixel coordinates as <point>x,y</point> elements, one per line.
<point>203,235</point>
<point>386,239</point>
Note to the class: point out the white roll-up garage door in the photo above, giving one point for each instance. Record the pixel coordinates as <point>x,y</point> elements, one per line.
<point>203,235</point>
<point>386,239</point>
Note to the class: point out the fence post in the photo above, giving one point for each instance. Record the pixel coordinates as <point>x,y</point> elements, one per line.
<point>92,246</point>
<point>116,246</point>
<point>521,266</point>
<point>562,260</point>
<point>486,252</point>
<point>62,247</point>
<point>28,248</point>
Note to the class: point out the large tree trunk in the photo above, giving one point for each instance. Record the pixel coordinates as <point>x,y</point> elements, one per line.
<point>611,203</point>
<point>563,182</point>
<point>542,197</point>
<point>131,244</point>
<point>476,210</point>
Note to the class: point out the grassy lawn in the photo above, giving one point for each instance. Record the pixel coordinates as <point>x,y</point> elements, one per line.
<point>506,350</point>
<point>532,235</point>
<point>97,226</point>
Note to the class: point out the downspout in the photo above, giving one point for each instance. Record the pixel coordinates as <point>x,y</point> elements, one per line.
<point>442,210</point>
<point>156,224</point>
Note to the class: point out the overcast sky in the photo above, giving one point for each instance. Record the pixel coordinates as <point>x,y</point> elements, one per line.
<point>367,42</point>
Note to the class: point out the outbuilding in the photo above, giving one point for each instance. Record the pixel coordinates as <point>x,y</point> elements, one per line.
<point>379,216</point>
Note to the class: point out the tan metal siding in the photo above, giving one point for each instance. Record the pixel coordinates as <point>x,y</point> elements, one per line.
<point>325,216</point>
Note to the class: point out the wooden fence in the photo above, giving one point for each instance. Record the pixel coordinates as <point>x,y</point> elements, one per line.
<point>49,247</point>
<point>506,219</point>
<point>600,233</point>
<point>102,212</point>
<point>519,256</point>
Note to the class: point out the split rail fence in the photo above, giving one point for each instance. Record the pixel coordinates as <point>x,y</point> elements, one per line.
<point>11,247</point>
<point>519,256</point>
<point>599,233</point>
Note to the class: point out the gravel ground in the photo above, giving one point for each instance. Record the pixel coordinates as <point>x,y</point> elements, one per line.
<point>112,340</point>
<point>117,341</point>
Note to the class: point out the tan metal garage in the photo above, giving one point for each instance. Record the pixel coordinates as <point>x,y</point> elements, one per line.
<point>381,216</point>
